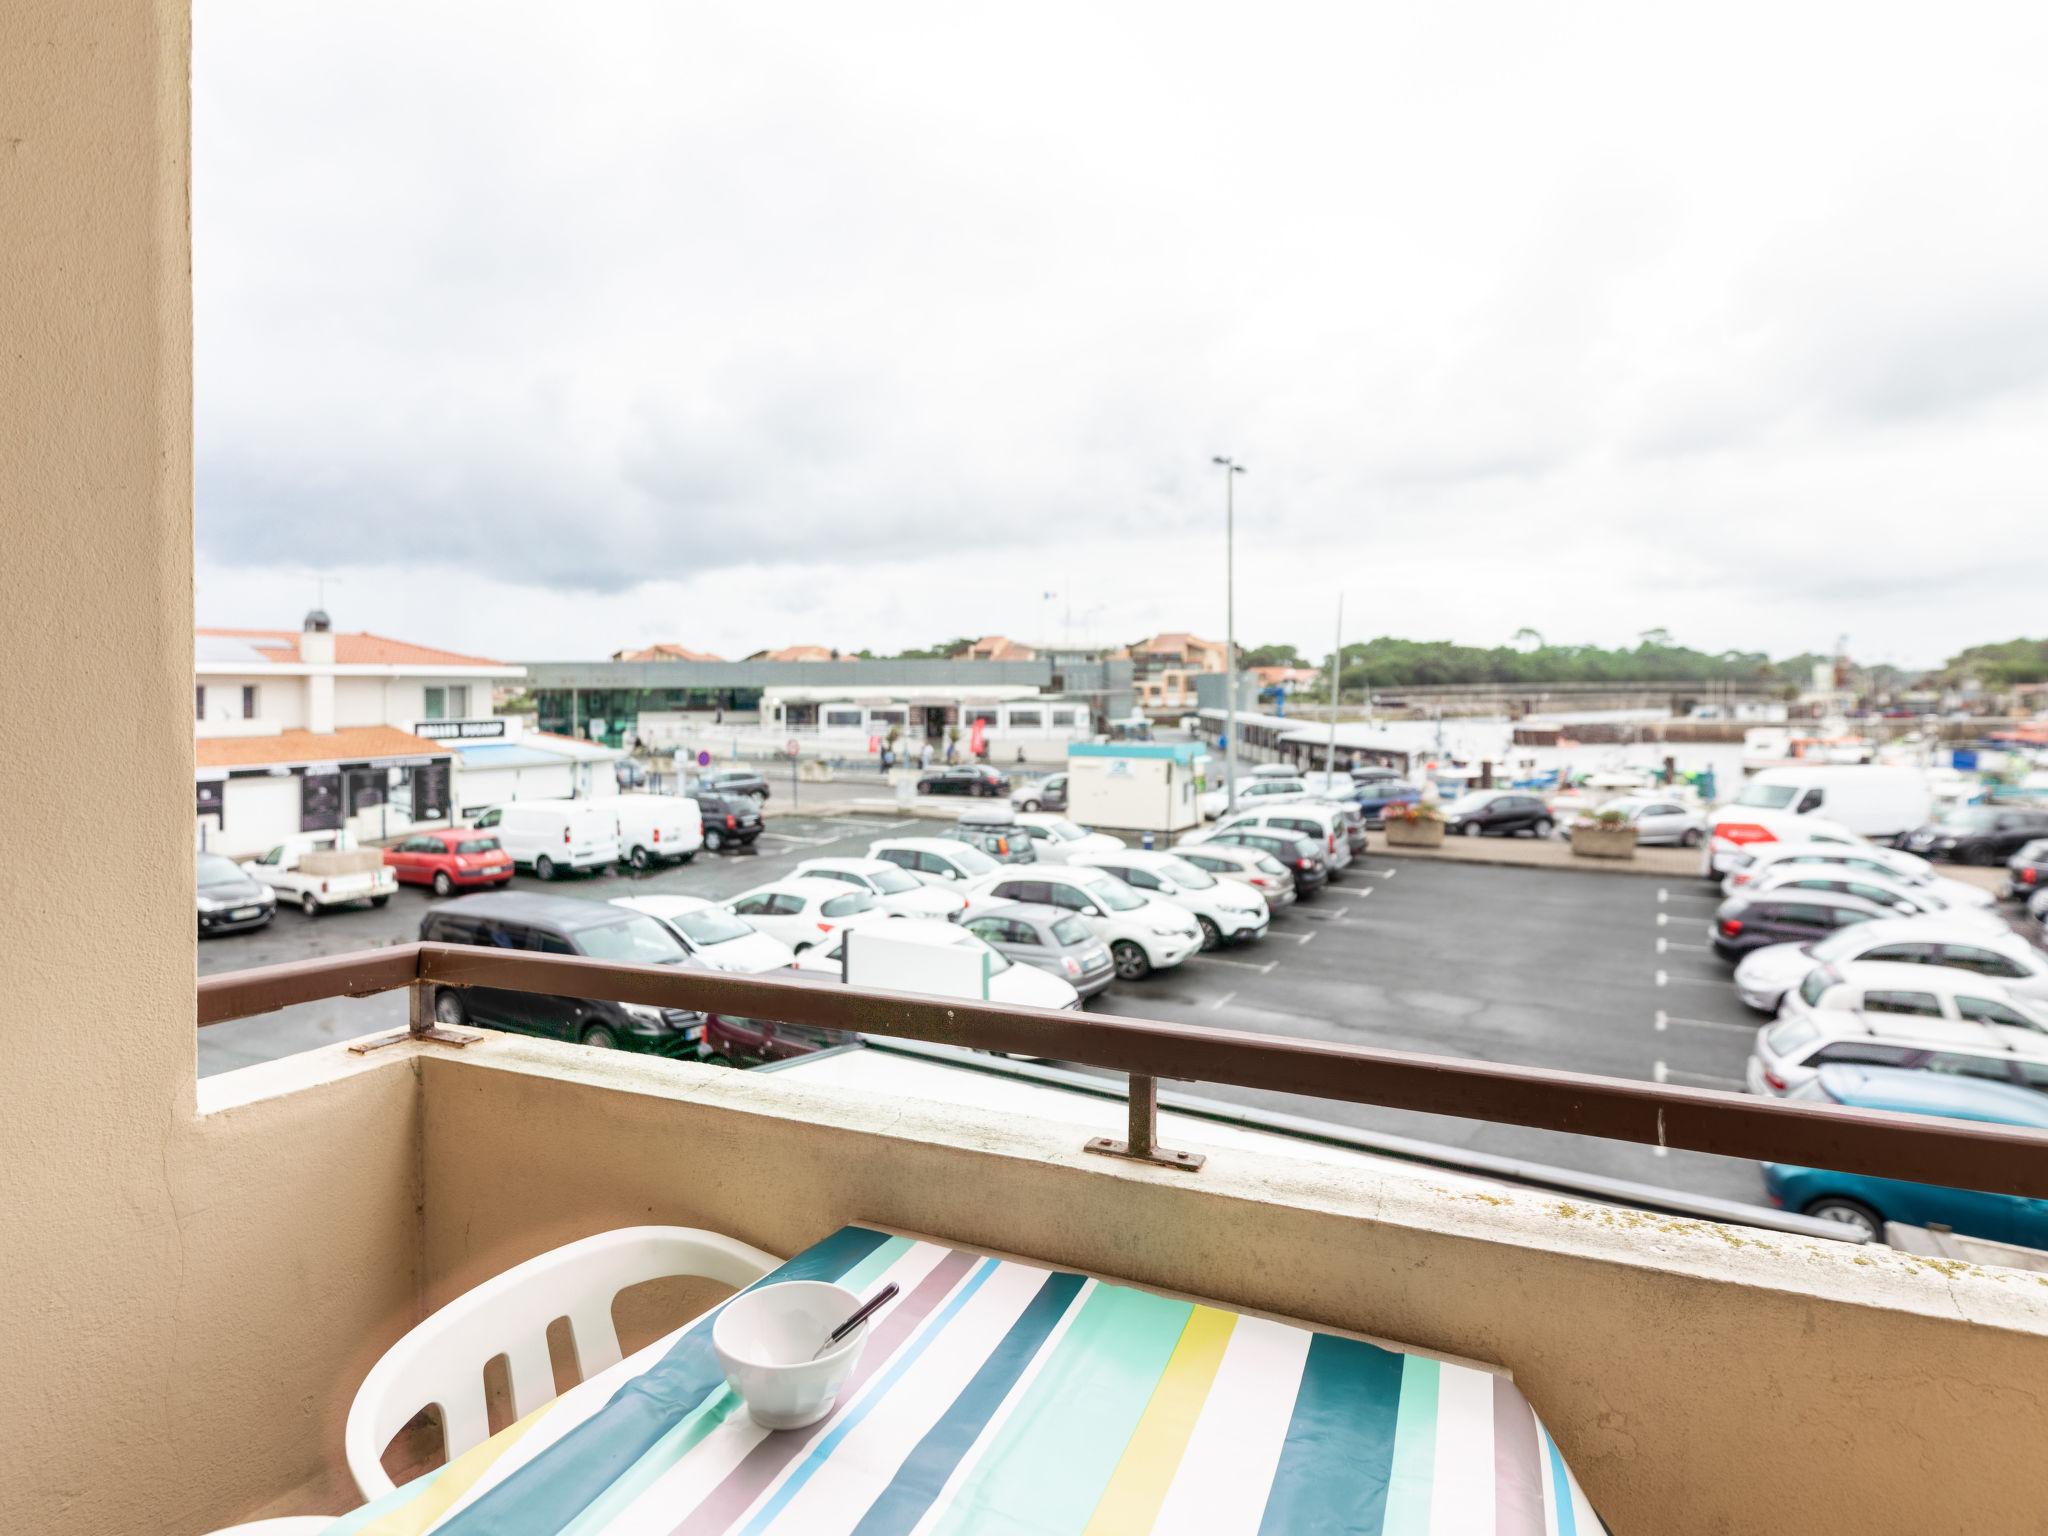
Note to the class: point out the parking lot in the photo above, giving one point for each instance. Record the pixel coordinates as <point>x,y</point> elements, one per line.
<point>1601,973</point>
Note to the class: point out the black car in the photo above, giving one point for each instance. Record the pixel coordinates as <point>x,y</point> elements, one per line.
<point>229,899</point>
<point>1498,813</point>
<point>563,925</point>
<point>731,781</point>
<point>2026,872</point>
<point>1046,794</point>
<point>730,821</point>
<point>1779,916</point>
<point>1303,857</point>
<point>967,779</point>
<point>1978,834</point>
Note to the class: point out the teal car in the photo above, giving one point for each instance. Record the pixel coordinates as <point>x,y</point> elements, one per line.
<point>1866,1203</point>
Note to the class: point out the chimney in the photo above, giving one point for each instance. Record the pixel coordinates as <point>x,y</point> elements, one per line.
<point>316,649</point>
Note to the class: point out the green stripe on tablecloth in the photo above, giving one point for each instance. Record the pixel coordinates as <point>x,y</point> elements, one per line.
<point>542,1497</point>
<point>1054,1454</point>
<point>1408,1491</point>
<point>677,1443</point>
<point>1339,1449</point>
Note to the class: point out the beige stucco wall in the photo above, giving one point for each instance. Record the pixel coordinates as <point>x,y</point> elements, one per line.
<point>1700,1380</point>
<point>139,1377</point>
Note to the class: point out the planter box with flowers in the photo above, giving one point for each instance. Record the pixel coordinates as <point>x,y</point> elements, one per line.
<point>1414,826</point>
<point>1604,835</point>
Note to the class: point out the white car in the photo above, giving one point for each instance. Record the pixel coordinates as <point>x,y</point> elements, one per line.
<point>1020,986</point>
<point>1316,820</point>
<point>1252,792</point>
<point>658,829</point>
<point>1330,786</point>
<point>1916,1017</point>
<point>1739,834</point>
<point>1057,840</point>
<point>550,836</point>
<point>1225,910</point>
<point>1893,863</point>
<point>1144,933</point>
<point>1766,975</point>
<point>894,889</point>
<point>318,870</point>
<point>1893,894</point>
<point>942,861</point>
<point>720,939</point>
<point>804,912</point>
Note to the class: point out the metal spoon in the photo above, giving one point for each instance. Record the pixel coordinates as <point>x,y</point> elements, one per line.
<point>886,1294</point>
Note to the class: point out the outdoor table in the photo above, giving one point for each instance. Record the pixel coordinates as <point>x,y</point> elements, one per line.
<point>1000,1396</point>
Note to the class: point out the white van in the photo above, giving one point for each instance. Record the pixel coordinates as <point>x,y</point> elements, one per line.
<point>1828,802</point>
<point>657,829</point>
<point>549,836</point>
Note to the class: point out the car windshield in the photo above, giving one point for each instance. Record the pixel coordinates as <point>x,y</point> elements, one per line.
<point>1473,800</point>
<point>1113,894</point>
<point>1065,831</point>
<point>712,925</point>
<point>1768,797</point>
<point>1268,865</point>
<point>1789,1036</point>
<point>477,845</point>
<point>1071,931</point>
<point>891,881</point>
<point>1181,872</point>
<point>971,860</point>
<point>215,870</point>
<point>636,940</point>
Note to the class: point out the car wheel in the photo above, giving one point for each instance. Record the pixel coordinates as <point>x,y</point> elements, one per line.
<point>799,949</point>
<point>308,905</point>
<point>1470,829</point>
<point>544,867</point>
<point>1850,1213</point>
<point>1212,936</point>
<point>1028,805</point>
<point>380,901</point>
<point>1543,827</point>
<point>713,842</point>
<point>449,1008</point>
<point>1691,838</point>
<point>1132,963</point>
<point>924,789</point>
<point>601,1036</point>
<point>443,886</point>
<point>639,860</point>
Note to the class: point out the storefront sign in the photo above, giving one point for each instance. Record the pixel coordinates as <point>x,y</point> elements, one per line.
<point>458,730</point>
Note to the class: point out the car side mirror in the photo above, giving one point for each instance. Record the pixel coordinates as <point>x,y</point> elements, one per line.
<point>1091,911</point>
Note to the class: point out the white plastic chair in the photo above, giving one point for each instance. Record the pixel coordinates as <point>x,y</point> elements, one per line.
<point>442,1360</point>
<point>290,1525</point>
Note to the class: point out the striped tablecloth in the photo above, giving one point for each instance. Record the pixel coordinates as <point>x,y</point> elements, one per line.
<point>1000,1397</point>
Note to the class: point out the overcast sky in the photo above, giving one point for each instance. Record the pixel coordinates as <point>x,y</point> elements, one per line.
<point>551,329</point>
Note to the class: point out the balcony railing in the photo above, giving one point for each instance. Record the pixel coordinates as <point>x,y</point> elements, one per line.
<point>1996,1159</point>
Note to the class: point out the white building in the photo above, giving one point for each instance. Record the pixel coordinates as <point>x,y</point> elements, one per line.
<point>308,730</point>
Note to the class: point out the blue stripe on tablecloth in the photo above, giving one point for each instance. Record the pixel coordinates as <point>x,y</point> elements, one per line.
<point>1339,1452</point>
<point>905,1358</point>
<point>551,1490</point>
<point>932,1461</point>
<point>1560,1488</point>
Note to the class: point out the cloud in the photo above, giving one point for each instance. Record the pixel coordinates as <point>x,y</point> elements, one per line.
<point>879,323</point>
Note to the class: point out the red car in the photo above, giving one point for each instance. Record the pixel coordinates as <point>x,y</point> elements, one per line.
<point>460,858</point>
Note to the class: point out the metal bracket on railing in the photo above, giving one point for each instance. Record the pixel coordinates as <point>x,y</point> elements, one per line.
<point>420,1025</point>
<point>1143,1145</point>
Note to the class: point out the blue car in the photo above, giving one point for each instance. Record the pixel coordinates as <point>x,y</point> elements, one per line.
<point>1867,1203</point>
<point>1373,798</point>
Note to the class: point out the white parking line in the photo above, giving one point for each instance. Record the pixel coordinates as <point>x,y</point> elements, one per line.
<point>1665,978</point>
<point>1668,944</point>
<point>1303,938</point>
<point>1665,894</point>
<point>1664,1019</point>
<point>1226,997</point>
<point>1324,917</point>
<point>802,842</point>
<point>1243,965</point>
<point>1665,1074</point>
<point>1384,874</point>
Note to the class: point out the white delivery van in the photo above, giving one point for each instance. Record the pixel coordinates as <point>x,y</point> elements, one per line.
<point>1824,802</point>
<point>658,829</point>
<point>550,836</point>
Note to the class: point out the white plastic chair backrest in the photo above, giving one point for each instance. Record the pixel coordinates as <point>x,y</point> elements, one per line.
<point>442,1360</point>
<point>290,1525</point>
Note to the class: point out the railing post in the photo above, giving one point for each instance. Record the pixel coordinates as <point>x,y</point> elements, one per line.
<point>420,1024</point>
<point>1143,1143</point>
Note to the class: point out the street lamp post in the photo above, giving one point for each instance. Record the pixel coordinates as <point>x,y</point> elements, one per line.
<point>1231,470</point>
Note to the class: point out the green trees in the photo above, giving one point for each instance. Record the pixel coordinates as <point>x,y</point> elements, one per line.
<point>1389,662</point>
<point>2001,664</point>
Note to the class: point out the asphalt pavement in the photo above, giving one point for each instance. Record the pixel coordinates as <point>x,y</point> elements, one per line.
<point>1584,971</point>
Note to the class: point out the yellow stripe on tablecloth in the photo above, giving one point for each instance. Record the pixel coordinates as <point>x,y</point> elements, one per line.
<point>418,1515</point>
<point>1145,1471</point>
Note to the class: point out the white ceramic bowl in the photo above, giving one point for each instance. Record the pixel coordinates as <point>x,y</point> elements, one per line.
<point>764,1340</point>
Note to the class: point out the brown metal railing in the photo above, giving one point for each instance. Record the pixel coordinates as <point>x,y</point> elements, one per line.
<point>1999,1159</point>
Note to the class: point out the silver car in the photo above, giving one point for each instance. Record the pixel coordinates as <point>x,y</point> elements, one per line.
<point>1661,819</point>
<point>1261,871</point>
<point>1046,938</point>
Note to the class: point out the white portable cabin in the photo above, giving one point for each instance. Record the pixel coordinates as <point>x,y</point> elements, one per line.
<point>1135,786</point>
